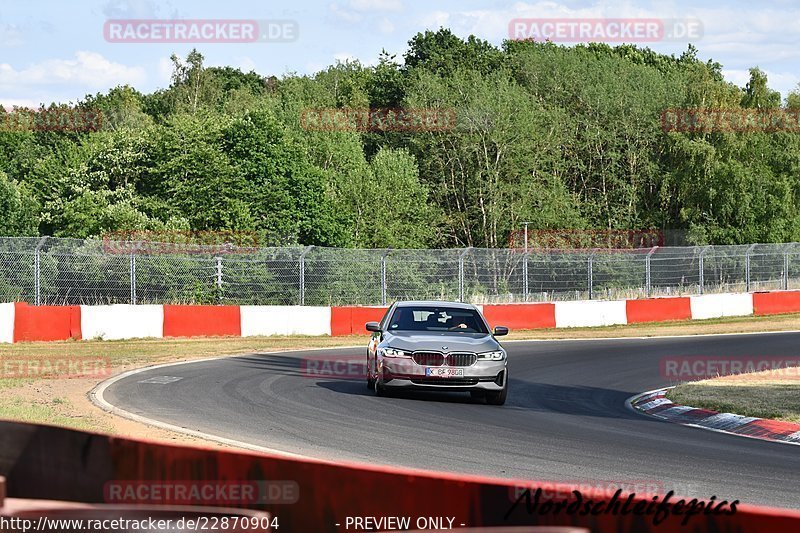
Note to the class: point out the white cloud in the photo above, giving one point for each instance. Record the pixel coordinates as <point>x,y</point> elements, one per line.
<point>354,11</point>
<point>782,82</point>
<point>87,69</point>
<point>376,5</point>
<point>136,9</point>
<point>165,70</point>
<point>345,14</point>
<point>739,77</point>
<point>386,26</point>
<point>244,63</point>
<point>436,19</point>
<point>10,35</point>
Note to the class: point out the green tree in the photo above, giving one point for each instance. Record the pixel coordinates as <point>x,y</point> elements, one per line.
<point>388,205</point>
<point>18,210</point>
<point>757,94</point>
<point>442,53</point>
<point>194,174</point>
<point>500,166</point>
<point>121,108</point>
<point>286,194</point>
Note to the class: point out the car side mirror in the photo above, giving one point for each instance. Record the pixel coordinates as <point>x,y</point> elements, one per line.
<point>373,326</point>
<point>499,331</point>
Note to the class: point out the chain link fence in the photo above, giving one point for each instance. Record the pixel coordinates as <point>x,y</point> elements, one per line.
<point>54,271</point>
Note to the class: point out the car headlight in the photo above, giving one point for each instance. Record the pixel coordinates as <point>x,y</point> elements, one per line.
<point>393,352</point>
<point>499,355</point>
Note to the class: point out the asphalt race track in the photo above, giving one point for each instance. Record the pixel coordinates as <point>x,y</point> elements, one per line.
<point>565,418</point>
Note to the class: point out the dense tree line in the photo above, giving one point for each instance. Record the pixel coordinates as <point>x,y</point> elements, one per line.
<point>561,137</point>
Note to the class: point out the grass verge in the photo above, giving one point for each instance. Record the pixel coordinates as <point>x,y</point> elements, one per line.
<point>767,394</point>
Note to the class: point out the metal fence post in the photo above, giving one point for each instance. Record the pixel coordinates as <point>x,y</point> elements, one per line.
<point>525,276</point>
<point>303,274</point>
<point>37,284</point>
<point>648,283</point>
<point>747,267</point>
<point>383,275</point>
<point>702,283</point>
<point>461,273</point>
<point>218,275</point>
<point>589,272</point>
<point>785,269</point>
<point>133,278</point>
<point>37,271</point>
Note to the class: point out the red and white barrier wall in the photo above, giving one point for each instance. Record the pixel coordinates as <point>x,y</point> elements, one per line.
<point>23,322</point>
<point>7,323</point>
<point>45,462</point>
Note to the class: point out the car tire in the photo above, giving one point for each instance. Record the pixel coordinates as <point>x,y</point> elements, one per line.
<point>380,390</point>
<point>497,397</point>
<point>370,379</point>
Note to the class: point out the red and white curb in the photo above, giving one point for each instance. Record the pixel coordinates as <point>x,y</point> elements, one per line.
<point>655,403</point>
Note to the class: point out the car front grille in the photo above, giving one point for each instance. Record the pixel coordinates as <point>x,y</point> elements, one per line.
<point>428,358</point>
<point>438,359</point>
<point>461,359</point>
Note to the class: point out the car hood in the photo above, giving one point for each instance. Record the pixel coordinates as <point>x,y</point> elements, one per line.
<point>441,342</point>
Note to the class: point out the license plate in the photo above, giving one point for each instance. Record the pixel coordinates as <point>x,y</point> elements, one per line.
<point>441,372</point>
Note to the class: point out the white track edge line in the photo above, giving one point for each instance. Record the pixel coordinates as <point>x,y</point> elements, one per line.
<point>96,396</point>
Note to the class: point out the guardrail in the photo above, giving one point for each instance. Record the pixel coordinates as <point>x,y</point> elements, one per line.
<point>58,464</point>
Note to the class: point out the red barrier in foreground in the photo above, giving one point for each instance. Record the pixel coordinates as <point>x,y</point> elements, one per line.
<point>658,310</point>
<point>775,303</point>
<point>53,463</point>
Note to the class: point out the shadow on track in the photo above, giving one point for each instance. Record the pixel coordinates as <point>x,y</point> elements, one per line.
<point>359,388</point>
<point>276,364</point>
<point>523,395</point>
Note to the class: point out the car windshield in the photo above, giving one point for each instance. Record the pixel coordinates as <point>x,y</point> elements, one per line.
<point>426,318</point>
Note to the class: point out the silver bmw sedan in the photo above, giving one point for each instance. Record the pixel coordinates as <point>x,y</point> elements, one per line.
<point>437,345</point>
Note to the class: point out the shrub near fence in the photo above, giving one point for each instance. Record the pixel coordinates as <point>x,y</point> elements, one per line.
<point>55,271</point>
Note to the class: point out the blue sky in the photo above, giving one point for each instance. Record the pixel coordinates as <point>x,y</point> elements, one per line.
<point>53,50</point>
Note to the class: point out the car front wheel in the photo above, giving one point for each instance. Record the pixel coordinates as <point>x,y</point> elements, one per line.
<point>380,390</point>
<point>498,397</point>
<point>370,379</point>
<point>377,382</point>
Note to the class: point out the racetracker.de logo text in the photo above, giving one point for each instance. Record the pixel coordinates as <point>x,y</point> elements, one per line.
<point>622,30</point>
<point>200,31</point>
